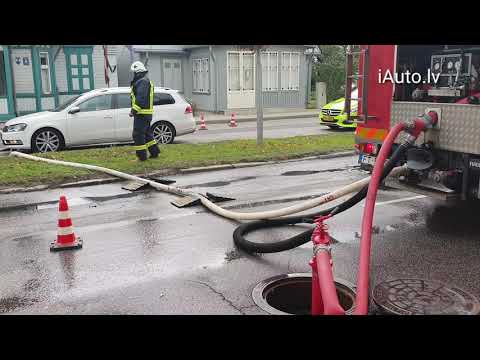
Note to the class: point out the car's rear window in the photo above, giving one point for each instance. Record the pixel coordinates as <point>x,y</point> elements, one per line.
<point>163,99</point>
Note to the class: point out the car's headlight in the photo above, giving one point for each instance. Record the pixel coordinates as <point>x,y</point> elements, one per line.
<point>15,128</point>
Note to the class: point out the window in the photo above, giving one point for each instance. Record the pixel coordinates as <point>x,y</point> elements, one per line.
<point>201,75</point>
<point>163,99</point>
<point>45,73</point>
<point>248,71</point>
<point>97,103</point>
<point>124,101</point>
<point>234,71</point>
<point>79,69</point>
<point>3,83</point>
<point>269,71</point>
<point>290,76</point>
<point>66,104</point>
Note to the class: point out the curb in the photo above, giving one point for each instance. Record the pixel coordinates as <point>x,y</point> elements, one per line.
<point>254,118</point>
<point>167,172</point>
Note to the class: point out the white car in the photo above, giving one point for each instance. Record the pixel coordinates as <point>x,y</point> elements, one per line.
<point>97,117</point>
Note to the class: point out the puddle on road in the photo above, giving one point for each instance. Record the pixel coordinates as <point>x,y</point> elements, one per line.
<point>15,302</point>
<point>310,172</point>
<point>71,202</point>
<point>220,183</point>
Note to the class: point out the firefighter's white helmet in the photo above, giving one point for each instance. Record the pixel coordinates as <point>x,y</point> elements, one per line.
<point>137,67</point>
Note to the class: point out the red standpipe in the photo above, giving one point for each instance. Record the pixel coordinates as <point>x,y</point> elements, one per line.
<point>324,293</point>
<point>415,129</point>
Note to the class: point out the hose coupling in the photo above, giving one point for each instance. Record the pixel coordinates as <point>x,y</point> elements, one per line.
<point>321,247</point>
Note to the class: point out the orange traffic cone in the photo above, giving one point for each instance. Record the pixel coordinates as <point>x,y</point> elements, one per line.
<point>66,238</point>
<point>233,122</point>
<point>203,125</point>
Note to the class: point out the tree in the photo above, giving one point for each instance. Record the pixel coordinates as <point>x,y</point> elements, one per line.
<point>329,67</point>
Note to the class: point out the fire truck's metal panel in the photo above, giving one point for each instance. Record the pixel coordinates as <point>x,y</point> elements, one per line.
<point>459,126</point>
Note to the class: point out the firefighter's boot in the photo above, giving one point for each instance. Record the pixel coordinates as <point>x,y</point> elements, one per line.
<point>141,155</point>
<point>154,151</point>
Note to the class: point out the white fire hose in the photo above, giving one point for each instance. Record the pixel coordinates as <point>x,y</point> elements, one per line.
<point>262,215</point>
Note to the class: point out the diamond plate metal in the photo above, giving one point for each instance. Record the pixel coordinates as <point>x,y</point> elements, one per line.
<point>459,129</point>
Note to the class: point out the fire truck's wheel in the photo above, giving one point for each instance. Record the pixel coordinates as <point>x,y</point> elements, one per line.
<point>47,140</point>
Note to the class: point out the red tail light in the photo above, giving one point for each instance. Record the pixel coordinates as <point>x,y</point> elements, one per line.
<point>188,110</point>
<point>370,149</point>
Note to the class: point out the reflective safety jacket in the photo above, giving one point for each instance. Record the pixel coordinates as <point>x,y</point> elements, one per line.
<point>142,96</point>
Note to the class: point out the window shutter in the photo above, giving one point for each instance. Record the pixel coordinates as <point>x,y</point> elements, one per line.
<point>206,80</point>
<point>295,71</point>
<point>285,70</point>
<point>265,71</point>
<point>273,71</point>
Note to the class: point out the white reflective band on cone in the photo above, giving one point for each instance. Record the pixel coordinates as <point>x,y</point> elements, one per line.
<point>63,215</point>
<point>65,230</point>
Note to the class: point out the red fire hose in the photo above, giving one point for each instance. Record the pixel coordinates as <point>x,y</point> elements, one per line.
<point>414,128</point>
<point>324,295</point>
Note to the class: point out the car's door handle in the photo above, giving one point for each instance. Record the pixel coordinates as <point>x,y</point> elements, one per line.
<point>108,117</point>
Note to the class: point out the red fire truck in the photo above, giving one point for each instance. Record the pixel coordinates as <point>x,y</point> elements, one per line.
<point>399,82</point>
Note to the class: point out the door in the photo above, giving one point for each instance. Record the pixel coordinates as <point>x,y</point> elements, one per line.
<point>172,74</point>
<point>94,123</point>
<point>123,122</point>
<point>240,79</point>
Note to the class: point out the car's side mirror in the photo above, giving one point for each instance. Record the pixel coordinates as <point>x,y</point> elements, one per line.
<point>74,110</point>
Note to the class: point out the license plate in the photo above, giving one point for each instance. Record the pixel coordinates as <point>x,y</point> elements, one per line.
<point>328,118</point>
<point>366,159</point>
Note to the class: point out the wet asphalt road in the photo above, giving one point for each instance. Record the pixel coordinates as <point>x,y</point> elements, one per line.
<point>248,130</point>
<point>141,255</point>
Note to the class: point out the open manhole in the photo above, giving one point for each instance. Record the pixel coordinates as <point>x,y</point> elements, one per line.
<point>423,297</point>
<point>300,172</point>
<point>291,294</point>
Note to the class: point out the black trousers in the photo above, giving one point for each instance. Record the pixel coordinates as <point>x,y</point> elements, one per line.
<point>143,137</point>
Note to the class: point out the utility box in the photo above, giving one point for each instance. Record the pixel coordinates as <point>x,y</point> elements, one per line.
<point>321,94</point>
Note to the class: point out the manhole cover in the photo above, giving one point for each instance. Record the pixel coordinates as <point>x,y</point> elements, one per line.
<point>423,297</point>
<point>297,173</point>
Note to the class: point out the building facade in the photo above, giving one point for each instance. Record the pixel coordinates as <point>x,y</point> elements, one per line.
<point>221,78</point>
<point>40,77</point>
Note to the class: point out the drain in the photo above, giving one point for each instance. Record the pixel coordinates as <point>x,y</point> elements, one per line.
<point>298,173</point>
<point>291,294</point>
<point>423,297</point>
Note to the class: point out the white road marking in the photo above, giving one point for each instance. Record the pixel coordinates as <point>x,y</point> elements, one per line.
<point>401,200</point>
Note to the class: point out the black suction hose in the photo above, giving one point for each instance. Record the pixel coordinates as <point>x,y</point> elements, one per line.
<point>302,238</point>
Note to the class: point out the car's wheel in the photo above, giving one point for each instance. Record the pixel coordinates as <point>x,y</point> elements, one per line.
<point>47,140</point>
<point>163,132</point>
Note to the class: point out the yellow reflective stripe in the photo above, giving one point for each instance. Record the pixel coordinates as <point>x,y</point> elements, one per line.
<point>137,108</point>
<point>145,112</point>
<point>139,147</point>
<point>151,143</point>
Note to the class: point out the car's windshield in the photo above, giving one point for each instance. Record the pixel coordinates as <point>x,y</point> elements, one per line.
<point>66,104</point>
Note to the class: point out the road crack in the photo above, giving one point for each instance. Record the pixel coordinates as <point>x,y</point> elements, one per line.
<point>239,309</point>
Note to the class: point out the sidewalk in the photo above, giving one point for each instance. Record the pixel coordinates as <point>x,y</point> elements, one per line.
<point>247,115</point>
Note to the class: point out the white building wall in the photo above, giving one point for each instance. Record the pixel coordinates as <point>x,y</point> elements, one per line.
<point>26,104</point>
<point>3,106</point>
<point>98,66</point>
<point>48,103</point>
<point>23,74</point>
<point>61,72</point>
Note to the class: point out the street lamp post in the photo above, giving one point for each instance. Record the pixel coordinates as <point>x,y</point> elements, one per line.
<point>258,94</point>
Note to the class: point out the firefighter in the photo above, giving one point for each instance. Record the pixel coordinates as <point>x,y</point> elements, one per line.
<point>142,110</point>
